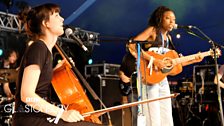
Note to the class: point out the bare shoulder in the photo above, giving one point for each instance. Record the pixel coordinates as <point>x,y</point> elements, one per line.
<point>32,67</point>
<point>221,67</point>
<point>149,31</point>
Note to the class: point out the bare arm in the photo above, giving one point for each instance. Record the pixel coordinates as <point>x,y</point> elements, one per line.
<point>219,76</point>
<point>7,90</point>
<point>141,37</point>
<point>123,77</point>
<point>148,34</point>
<point>219,80</point>
<point>28,87</point>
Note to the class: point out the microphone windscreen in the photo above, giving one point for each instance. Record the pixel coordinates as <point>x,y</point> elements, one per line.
<point>175,26</point>
<point>68,31</point>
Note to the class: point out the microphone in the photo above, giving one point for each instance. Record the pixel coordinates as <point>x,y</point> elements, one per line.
<point>69,34</point>
<point>140,41</point>
<point>176,26</point>
<point>137,41</point>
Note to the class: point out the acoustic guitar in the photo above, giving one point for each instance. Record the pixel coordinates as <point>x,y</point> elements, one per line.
<point>173,62</point>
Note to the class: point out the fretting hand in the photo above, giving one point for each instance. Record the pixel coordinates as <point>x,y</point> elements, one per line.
<point>198,58</point>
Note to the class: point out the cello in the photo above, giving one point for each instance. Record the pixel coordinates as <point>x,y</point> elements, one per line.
<point>69,90</point>
<point>72,95</point>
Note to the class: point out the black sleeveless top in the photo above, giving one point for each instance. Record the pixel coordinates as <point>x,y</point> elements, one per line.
<point>158,43</point>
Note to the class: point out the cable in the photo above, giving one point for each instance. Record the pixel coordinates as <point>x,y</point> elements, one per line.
<point>214,46</point>
<point>101,102</point>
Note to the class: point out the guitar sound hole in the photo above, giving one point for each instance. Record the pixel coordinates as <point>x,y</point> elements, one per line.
<point>168,63</point>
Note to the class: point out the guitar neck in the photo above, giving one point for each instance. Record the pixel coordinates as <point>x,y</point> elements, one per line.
<point>191,57</point>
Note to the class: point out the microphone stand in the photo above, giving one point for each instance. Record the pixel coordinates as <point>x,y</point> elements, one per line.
<point>214,45</point>
<point>140,120</point>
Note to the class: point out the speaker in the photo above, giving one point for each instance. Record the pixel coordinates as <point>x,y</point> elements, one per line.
<point>108,90</point>
<point>203,77</point>
<point>207,72</point>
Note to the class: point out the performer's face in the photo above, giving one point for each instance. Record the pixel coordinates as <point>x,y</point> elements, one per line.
<point>168,20</point>
<point>55,24</point>
<point>12,57</point>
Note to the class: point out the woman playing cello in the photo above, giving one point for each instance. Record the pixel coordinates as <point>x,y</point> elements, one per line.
<point>44,24</point>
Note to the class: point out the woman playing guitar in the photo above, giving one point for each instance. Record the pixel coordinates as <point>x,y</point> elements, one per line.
<point>161,22</point>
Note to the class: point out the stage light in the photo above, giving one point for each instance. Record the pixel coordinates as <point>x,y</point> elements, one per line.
<point>2,47</point>
<point>90,61</point>
<point>1,52</point>
<point>91,36</point>
<point>178,36</point>
<point>85,35</point>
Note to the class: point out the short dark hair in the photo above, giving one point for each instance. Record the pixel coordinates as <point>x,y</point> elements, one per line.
<point>8,52</point>
<point>33,17</point>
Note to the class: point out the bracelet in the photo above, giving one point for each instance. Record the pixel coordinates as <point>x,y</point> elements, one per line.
<point>58,115</point>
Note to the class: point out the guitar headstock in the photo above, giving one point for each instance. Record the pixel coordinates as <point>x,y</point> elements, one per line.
<point>218,52</point>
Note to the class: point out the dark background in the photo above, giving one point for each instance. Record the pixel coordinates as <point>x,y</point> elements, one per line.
<point>117,21</point>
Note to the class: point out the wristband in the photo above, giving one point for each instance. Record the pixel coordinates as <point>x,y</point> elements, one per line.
<point>58,115</point>
<point>150,64</point>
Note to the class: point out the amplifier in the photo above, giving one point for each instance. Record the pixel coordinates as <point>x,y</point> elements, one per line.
<point>204,71</point>
<point>104,69</point>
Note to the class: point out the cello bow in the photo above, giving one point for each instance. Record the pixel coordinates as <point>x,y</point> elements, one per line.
<point>127,105</point>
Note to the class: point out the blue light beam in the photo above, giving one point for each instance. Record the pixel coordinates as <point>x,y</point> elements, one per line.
<point>79,11</point>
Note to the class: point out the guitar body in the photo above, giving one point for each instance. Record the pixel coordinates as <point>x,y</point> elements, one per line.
<point>126,88</point>
<point>158,74</point>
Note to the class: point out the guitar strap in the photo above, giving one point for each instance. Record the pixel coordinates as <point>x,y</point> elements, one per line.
<point>163,43</point>
<point>172,45</point>
<point>169,41</point>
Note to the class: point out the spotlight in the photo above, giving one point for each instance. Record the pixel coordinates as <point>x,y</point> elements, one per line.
<point>90,61</point>
<point>86,36</point>
<point>1,52</point>
<point>91,36</point>
<point>178,36</point>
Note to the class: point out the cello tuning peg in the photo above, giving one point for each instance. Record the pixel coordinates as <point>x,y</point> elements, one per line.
<point>71,61</point>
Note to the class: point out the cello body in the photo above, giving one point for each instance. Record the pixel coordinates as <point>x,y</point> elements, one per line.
<point>71,93</point>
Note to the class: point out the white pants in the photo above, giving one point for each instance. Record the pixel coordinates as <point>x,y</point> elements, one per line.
<point>158,113</point>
